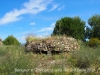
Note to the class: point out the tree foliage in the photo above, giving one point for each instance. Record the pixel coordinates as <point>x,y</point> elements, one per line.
<point>11,40</point>
<point>73,27</point>
<point>94,22</point>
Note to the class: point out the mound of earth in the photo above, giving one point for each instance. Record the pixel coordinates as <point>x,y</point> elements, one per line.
<point>54,44</point>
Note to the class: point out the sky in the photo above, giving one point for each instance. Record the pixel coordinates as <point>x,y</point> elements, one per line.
<point>21,18</point>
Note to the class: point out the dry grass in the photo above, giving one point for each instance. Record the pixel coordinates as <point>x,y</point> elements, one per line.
<point>14,61</point>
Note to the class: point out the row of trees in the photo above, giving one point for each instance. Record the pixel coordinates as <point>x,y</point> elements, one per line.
<point>75,27</point>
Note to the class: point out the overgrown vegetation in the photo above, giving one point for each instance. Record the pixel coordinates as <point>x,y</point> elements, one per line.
<point>14,61</point>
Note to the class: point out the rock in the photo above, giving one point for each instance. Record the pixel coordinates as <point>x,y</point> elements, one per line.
<point>54,44</point>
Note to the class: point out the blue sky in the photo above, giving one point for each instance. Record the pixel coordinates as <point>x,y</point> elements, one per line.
<point>24,17</point>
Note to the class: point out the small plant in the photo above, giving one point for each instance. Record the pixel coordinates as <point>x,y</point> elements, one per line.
<point>94,42</point>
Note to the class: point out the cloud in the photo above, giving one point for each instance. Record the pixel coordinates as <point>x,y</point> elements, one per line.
<point>53,24</point>
<point>22,39</point>
<point>54,6</point>
<point>60,8</point>
<point>31,7</point>
<point>32,23</point>
<point>45,32</point>
<point>10,17</point>
<point>46,29</point>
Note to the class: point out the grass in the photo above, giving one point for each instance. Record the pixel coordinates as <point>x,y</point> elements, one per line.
<point>14,61</point>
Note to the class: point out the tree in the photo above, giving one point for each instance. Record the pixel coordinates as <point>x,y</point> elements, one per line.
<point>11,40</point>
<point>73,27</point>
<point>94,22</point>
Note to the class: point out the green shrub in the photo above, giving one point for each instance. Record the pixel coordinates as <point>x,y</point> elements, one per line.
<point>11,40</point>
<point>82,63</point>
<point>94,42</point>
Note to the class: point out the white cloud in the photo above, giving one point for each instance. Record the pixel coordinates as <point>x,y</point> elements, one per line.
<point>31,7</point>
<point>46,29</point>
<point>32,23</point>
<point>54,6</point>
<point>22,39</point>
<point>60,8</point>
<point>45,32</point>
<point>10,17</point>
<point>53,24</point>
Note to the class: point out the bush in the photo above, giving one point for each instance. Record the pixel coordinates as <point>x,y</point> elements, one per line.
<point>94,42</point>
<point>82,63</point>
<point>11,40</point>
